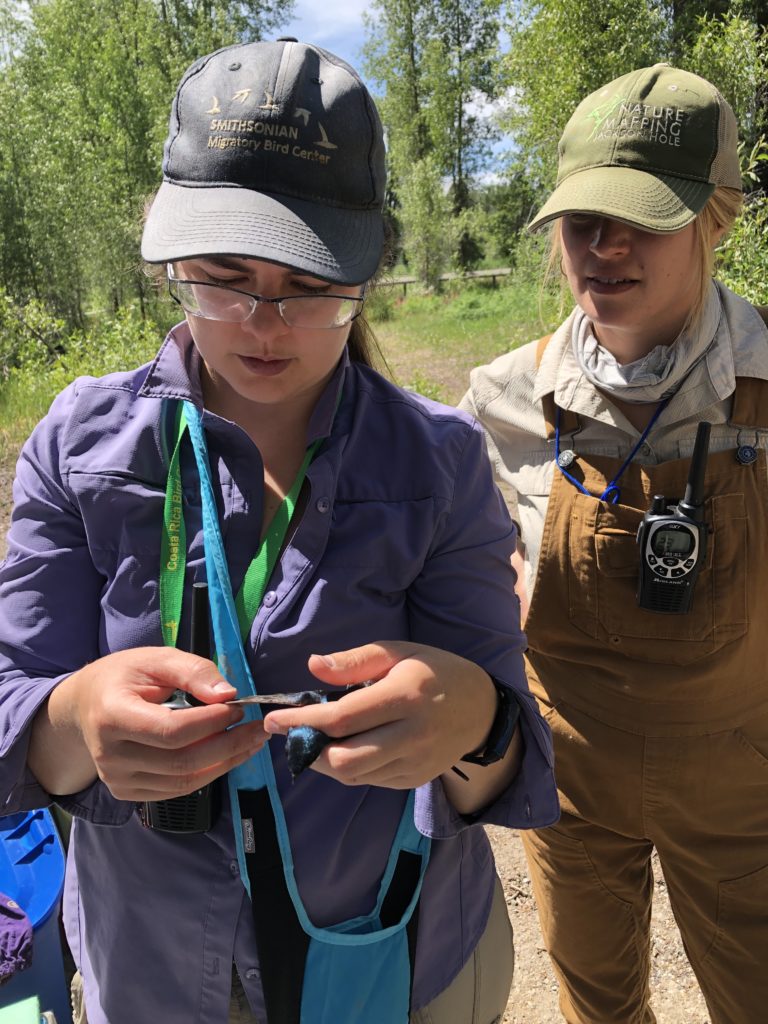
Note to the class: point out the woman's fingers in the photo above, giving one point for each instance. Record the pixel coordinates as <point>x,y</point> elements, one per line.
<point>180,779</point>
<point>360,664</point>
<point>427,709</point>
<point>117,703</point>
<point>190,759</point>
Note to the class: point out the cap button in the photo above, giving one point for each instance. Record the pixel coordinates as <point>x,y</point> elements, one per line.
<point>286,39</point>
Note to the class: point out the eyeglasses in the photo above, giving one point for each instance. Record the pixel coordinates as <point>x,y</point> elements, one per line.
<point>233,306</point>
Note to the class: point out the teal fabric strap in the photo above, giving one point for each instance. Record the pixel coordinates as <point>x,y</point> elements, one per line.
<point>358,969</point>
<point>258,770</point>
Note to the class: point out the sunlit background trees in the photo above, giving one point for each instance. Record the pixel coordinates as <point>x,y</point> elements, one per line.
<point>473,95</point>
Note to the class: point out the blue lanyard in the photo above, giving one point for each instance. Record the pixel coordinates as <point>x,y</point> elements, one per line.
<point>612,492</point>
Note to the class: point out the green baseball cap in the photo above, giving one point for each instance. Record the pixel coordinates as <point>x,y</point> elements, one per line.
<point>648,148</point>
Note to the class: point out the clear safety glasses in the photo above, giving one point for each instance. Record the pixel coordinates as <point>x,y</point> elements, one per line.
<point>231,305</point>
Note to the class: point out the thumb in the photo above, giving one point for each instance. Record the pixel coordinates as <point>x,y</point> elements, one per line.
<point>359,664</point>
<point>198,677</point>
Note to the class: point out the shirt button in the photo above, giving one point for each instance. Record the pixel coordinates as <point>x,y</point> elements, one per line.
<point>323,504</point>
<point>269,598</point>
<point>234,868</point>
<point>646,449</point>
<point>252,972</point>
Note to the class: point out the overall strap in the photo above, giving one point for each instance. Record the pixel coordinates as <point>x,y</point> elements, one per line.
<point>569,420</point>
<point>750,403</point>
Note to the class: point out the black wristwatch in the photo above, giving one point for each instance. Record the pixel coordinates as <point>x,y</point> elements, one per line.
<point>502,729</point>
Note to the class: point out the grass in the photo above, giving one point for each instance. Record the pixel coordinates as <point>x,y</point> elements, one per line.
<point>431,342</point>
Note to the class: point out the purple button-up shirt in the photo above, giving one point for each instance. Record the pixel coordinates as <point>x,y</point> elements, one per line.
<point>403,537</point>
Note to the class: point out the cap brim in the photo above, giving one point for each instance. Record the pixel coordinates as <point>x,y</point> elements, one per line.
<point>653,203</point>
<point>339,245</point>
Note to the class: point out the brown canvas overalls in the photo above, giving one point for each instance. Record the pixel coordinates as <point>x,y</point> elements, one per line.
<point>660,725</point>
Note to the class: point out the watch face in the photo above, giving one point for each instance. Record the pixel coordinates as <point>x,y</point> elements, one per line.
<point>674,542</point>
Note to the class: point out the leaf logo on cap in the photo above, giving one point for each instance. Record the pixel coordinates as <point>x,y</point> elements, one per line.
<point>602,112</point>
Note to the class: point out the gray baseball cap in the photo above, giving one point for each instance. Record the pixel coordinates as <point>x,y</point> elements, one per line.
<point>275,151</point>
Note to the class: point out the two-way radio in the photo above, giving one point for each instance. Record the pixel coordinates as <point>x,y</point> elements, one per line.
<point>673,540</point>
<point>197,811</point>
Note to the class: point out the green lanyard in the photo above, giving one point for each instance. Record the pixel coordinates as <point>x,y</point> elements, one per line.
<point>173,547</point>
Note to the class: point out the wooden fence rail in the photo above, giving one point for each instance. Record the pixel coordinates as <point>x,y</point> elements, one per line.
<point>468,275</point>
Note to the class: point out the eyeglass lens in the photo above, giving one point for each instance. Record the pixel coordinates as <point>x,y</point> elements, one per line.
<point>213,302</point>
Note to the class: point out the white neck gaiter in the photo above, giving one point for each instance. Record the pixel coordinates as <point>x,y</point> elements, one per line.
<point>659,373</point>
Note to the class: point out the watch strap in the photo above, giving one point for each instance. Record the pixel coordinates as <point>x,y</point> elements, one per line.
<point>502,728</point>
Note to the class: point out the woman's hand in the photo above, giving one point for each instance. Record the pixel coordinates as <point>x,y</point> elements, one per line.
<point>426,709</point>
<point>108,721</point>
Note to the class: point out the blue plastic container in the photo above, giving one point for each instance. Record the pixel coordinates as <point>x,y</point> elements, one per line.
<point>32,873</point>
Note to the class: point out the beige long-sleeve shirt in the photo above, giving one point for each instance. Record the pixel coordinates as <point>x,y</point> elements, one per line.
<point>505,396</point>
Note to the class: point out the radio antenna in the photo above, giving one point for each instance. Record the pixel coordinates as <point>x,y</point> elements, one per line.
<point>692,504</point>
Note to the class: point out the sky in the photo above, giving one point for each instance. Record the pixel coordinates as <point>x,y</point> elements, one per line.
<point>335,25</point>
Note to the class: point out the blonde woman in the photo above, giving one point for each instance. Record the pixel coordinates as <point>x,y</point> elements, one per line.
<point>646,597</point>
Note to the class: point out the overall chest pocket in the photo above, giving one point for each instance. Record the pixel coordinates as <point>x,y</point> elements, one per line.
<point>603,575</point>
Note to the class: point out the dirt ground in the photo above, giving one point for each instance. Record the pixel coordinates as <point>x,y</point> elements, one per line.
<point>675,995</point>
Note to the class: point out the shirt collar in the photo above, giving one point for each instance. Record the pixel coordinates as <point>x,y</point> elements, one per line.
<point>175,370</point>
<point>739,349</point>
<point>747,336</point>
<point>321,420</point>
<point>559,373</point>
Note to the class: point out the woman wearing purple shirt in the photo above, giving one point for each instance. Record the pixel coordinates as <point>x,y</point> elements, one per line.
<point>328,511</point>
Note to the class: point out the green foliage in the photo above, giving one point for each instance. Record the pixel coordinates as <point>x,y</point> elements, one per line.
<point>380,304</point>
<point>90,84</point>
<point>561,50</point>
<point>502,210</point>
<point>425,216</point>
<point>732,52</point>
<point>49,358</point>
<point>424,386</point>
<point>743,256</point>
<point>31,337</point>
<point>435,59</point>
<point>436,339</point>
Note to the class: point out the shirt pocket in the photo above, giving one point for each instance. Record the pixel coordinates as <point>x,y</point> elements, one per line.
<point>603,578</point>
<point>123,518</point>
